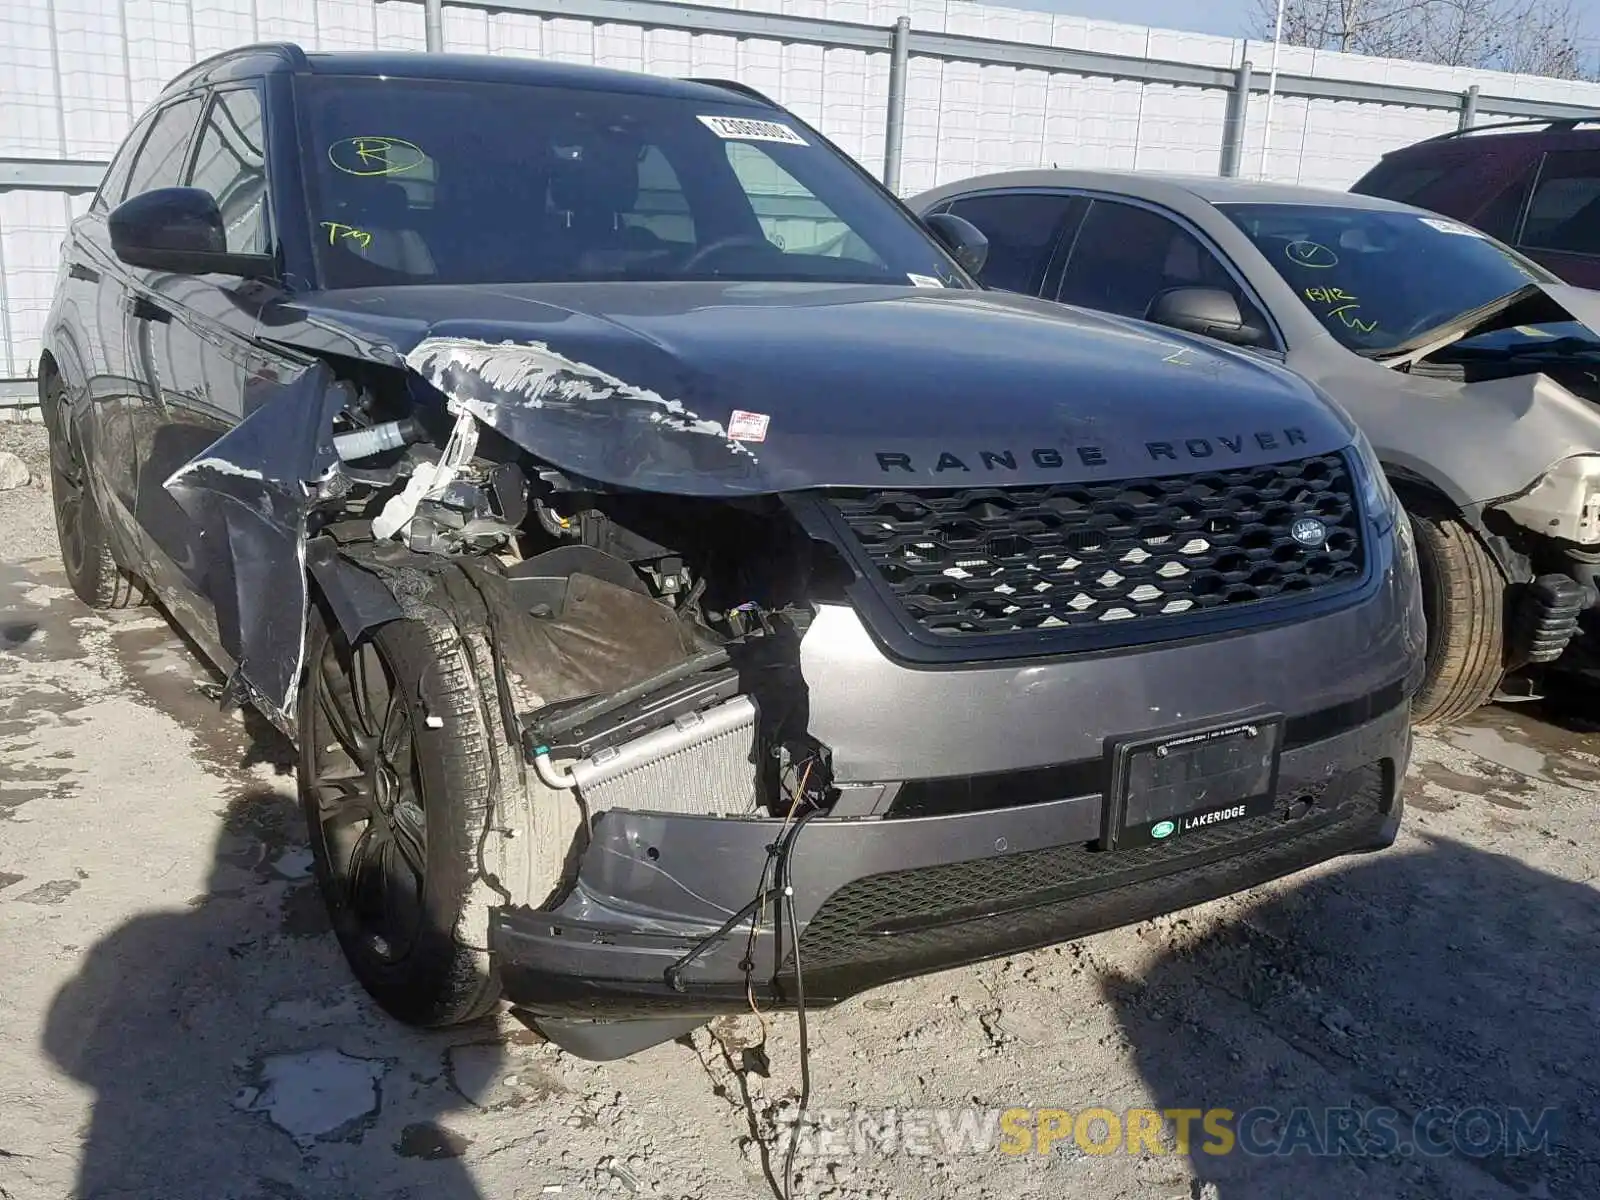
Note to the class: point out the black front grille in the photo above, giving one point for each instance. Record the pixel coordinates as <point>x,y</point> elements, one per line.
<point>1002,560</point>
<point>935,911</point>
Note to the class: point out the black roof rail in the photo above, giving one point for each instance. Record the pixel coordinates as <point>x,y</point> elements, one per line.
<point>744,89</point>
<point>1552,124</point>
<point>288,53</point>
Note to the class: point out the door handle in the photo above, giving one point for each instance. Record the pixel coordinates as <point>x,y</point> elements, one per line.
<point>148,310</point>
<point>88,274</point>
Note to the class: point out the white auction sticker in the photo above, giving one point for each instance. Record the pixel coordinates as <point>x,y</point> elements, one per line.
<point>747,426</point>
<point>924,280</point>
<point>1454,227</point>
<point>743,129</point>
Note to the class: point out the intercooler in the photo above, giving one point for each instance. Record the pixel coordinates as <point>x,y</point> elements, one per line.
<point>703,764</point>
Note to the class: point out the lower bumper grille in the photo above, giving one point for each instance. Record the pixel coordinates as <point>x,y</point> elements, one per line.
<point>967,910</point>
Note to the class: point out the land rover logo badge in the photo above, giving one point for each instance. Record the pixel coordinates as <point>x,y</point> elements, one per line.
<point>1309,532</point>
<point>1162,829</point>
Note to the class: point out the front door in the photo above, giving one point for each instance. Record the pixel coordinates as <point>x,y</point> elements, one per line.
<point>95,286</point>
<point>196,337</point>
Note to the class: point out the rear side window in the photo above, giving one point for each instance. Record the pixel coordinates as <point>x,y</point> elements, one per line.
<point>231,164</point>
<point>1022,230</point>
<point>160,160</point>
<point>1400,182</point>
<point>1564,214</point>
<point>115,183</point>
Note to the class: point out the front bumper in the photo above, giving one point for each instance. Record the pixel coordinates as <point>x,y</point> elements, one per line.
<point>878,899</point>
<point>916,880</point>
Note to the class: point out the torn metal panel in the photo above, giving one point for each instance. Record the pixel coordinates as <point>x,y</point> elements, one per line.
<point>1496,437</point>
<point>1565,503</point>
<point>359,599</point>
<point>251,492</point>
<point>576,414</point>
<point>1536,304</point>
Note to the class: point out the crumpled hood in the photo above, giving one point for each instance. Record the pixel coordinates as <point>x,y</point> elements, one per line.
<point>718,388</point>
<point>1535,304</point>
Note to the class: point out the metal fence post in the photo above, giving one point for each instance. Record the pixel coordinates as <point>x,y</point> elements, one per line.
<point>1469,108</point>
<point>433,29</point>
<point>899,58</point>
<point>1233,131</point>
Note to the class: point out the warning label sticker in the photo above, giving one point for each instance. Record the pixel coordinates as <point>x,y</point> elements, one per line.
<point>747,426</point>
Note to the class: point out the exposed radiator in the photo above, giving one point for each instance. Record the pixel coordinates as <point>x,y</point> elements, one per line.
<point>703,764</point>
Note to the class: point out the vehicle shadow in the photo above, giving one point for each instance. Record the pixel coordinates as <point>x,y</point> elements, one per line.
<point>1428,982</point>
<point>231,1055</point>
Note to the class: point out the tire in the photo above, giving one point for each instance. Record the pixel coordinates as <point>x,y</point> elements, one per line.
<point>80,528</point>
<point>395,844</point>
<point>1464,597</point>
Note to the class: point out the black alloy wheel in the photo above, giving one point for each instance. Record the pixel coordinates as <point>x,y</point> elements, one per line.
<point>397,796</point>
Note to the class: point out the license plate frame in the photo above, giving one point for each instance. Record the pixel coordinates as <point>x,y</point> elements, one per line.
<point>1165,785</point>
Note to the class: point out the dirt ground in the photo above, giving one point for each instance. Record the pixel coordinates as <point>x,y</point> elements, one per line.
<point>176,1021</point>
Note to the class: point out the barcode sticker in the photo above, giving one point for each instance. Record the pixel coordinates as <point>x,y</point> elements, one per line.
<point>1455,227</point>
<point>743,129</point>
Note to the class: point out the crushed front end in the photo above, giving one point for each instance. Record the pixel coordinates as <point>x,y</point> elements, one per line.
<point>972,721</point>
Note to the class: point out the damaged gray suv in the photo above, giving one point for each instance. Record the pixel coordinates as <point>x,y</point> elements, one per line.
<point>686,588</point>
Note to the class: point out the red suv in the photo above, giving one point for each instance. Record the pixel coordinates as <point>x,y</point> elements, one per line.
<point>1532,184</point>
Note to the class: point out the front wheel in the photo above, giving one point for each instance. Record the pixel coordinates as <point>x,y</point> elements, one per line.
<point>1464,597</point>
<point>396,795</point>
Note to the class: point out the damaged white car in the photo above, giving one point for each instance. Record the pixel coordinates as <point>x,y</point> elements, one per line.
<point>1472,369</point>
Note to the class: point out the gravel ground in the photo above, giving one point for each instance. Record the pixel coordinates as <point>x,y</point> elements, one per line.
<point>26,522</point>
<point>177,1021</point>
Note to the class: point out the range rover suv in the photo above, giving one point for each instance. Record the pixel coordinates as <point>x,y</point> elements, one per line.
<point>684,584</point>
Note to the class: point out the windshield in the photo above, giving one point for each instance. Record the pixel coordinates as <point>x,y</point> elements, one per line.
<point>1376,279</point>
<point>419,181</point>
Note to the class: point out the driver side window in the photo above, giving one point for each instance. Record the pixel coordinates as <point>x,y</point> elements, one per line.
<point>1125,256</point>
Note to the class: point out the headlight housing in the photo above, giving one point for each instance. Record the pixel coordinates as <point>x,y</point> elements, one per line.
<point>1378,501</point>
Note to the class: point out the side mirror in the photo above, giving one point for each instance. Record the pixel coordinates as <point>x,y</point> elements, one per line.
<point>180,230</point>
<point>1211,312</point>
<point>965,241</point>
